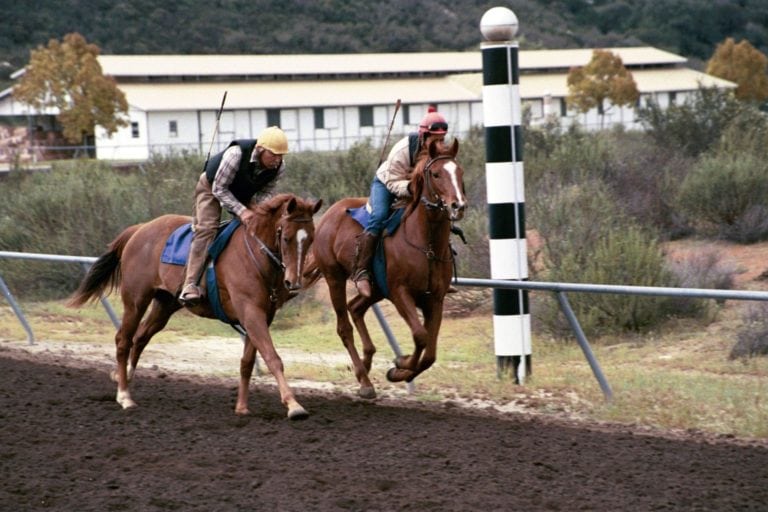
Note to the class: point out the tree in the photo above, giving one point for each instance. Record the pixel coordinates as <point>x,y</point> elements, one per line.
<point>744,64</point>
<point>67,76</point>
<point>603,78</point>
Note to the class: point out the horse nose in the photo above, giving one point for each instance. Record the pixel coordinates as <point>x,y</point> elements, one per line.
<point>292,286</point>
<point>457,209</point>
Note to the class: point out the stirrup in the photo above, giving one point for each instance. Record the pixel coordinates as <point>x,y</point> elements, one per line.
<point>363,284</point>
<point>191,295</point>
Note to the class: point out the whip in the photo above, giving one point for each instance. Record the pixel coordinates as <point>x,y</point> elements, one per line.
<point>391,124</point>
<point>216,129</point>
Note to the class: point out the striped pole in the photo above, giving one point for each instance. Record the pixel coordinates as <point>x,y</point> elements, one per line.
<point>506,199</point>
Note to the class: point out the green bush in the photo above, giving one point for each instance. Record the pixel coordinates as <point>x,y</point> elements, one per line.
<point>332,175</point>
<point>695,126</point>
<point>725,192</point>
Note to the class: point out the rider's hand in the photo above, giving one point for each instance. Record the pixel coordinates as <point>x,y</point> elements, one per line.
<point>246,216</point>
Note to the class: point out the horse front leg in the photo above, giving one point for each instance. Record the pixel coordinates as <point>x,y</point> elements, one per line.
<point>406,366</point>
<point>257,327</point>
<point>433,318</point>
<point>247,363</point>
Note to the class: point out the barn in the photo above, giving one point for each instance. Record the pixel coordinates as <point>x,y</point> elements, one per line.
<point>331,101</point>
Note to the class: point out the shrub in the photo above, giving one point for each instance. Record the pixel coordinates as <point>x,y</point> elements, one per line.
<point>695,126</point>
<point>728,192</point>
<point>752,337</point>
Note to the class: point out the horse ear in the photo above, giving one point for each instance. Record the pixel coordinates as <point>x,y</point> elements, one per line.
<point>290,206</point>
<point>433,148</point>
<point>317,206</point>
<point>455,147</point>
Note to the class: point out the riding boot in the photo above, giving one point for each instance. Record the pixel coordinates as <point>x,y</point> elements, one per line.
<point>191,294</point>
<point>366,244</point>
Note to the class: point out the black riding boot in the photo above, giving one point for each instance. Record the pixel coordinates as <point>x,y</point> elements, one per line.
<point>366,244</point>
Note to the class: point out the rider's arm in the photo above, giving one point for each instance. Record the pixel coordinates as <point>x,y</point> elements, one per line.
<point>395,171</point>
<point>230,163</point>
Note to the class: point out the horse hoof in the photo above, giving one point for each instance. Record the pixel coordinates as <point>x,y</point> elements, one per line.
<point>298,413</point>
<point>399,362</point>
<point>392,375</point>
<point>127,403</point>
<point>367,392</point>
<point>243,412</point>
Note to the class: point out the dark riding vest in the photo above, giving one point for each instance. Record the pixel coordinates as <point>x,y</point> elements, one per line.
<point>413,146</point>
<point>249,178</point>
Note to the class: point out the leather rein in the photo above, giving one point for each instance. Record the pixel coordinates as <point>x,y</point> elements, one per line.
<point>275,257</point>
<point>436,203</point>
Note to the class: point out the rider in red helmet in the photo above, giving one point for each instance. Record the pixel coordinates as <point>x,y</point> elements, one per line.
<point>391,183</point>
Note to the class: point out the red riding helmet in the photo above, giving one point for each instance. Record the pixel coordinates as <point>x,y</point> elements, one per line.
<point>433,122</point>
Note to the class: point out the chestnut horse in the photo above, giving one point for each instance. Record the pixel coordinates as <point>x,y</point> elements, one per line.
<point>259,269</point>
<point>419,263</point>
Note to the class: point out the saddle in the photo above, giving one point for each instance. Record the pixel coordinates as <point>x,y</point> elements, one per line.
<point>176,252</point>
<point>379,263</point>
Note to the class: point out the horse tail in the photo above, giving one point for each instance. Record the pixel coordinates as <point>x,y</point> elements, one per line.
<point>104,274</point>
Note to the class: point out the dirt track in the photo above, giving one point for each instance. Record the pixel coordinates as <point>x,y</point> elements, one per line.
<point>66,445</point>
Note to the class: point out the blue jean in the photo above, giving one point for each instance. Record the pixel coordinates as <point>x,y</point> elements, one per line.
<point>381,199</point>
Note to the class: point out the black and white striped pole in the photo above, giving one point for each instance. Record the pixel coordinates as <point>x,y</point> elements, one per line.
<point>505,190</point>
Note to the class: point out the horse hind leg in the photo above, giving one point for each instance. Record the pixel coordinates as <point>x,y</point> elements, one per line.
<point>162,308</point>
<point>338,293</point>
<point>247,363</point>
<point>123,346</point>
<point>357,307</point>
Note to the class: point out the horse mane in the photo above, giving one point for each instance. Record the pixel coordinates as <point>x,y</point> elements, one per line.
<point>268,206</point>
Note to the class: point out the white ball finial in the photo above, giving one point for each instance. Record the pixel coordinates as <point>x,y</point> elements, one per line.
<point>498,24</point>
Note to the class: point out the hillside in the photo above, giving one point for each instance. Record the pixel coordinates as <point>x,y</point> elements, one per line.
<point>688,27</point>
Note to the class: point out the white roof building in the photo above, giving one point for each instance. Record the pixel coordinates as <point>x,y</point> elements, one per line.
<point>330,101</point>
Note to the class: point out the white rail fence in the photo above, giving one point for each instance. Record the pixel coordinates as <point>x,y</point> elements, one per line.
<point>559,289</point>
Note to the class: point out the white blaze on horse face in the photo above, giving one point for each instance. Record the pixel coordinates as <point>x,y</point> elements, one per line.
<point>301,236</point>
<point>451,169</point>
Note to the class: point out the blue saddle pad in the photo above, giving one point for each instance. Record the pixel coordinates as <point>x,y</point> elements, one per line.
<point>176,250</point>
<point>361,215</point>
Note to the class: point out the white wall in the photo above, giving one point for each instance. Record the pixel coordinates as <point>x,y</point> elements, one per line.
<point>125,144</point>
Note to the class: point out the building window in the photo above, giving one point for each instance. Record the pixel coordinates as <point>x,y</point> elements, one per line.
<point>366,116</point>
<point>536,108</point>
<point>672,97</point>
<point>135,130</point>
<point>273,117</point>
<point>406,115</point>
<point>563,107</point>
<point>319,118</point>
<point>173,129</point>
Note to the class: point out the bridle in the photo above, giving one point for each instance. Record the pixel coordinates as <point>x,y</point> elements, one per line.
<point>275,256</point>
<point>437,203</point>
<point>431,200</point>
